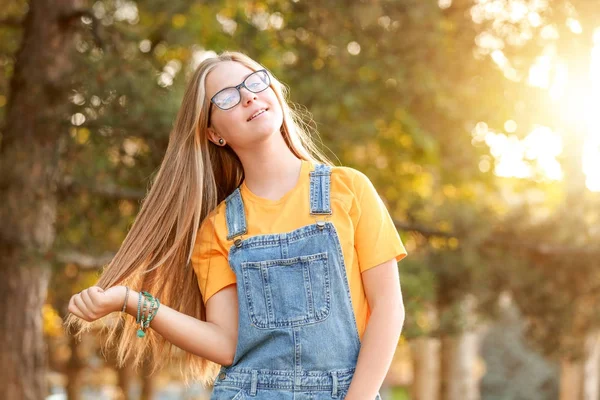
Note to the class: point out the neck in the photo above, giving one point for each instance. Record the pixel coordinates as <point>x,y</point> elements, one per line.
<point>271,168</point>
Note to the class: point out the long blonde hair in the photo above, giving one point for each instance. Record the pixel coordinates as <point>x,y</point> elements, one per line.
<point>194,177</point>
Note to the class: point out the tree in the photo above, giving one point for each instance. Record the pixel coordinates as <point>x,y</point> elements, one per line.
<point>31,137</point>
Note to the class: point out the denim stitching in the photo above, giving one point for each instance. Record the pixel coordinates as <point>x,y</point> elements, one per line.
<point>312,316</point>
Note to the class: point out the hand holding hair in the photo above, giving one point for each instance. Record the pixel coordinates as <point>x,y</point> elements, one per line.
<point>94,302</point>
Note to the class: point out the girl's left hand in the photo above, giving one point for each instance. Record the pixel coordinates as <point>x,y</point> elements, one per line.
<point>94,302</point>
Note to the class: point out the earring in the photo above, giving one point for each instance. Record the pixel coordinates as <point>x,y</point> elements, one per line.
<point>221,141</point>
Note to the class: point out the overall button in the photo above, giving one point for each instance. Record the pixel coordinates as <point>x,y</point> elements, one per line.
<point>222,375</point>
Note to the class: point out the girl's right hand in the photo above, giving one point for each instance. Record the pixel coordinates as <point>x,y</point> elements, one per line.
<point>94,302</point>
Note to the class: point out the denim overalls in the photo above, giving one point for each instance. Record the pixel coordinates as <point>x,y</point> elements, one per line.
<point>297,333</point>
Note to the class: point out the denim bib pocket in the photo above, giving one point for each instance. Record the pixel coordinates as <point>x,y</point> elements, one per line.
<point>287,292</point>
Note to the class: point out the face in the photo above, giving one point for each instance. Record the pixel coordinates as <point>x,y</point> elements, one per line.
<point>234,125</point>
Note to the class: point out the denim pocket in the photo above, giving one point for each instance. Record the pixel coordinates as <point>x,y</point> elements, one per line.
<point>287,291</point>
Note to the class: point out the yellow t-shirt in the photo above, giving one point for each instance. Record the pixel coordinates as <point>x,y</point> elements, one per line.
<point>366,231</point>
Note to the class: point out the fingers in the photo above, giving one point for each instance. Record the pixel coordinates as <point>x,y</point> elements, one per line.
<point>80,304</point>
<point>95,295</point>
<point>74,309</point>
<point>88,302</point>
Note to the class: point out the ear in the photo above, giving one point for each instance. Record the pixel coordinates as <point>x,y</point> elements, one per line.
<point>212,136</point>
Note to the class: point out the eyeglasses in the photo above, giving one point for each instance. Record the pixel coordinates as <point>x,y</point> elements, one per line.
<point>230,96</point>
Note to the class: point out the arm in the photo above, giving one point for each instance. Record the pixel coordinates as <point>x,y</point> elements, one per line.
<point>214,339</point>
<point>382,287</point>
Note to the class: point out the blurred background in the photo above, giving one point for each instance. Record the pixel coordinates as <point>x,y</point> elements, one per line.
<point>477,120</point>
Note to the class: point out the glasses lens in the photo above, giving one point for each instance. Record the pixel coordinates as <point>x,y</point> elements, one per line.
<point>258,81</point>
<point>227,98</point>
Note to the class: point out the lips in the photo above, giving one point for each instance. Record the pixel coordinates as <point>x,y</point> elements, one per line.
<point>260,109</point>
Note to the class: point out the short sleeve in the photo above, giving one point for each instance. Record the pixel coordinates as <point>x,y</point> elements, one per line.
<point>376,238</point>
<point>209,260</point>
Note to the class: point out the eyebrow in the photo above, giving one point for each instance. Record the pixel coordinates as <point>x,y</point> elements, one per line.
<point>226,87</point>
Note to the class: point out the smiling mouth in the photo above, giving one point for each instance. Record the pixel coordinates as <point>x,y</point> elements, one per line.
<point>258,115</point>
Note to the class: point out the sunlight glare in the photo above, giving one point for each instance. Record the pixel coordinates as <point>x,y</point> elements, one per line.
<point>578,104</point>
<point>559,81</point>
<point>574,100</point>
<point>574,26</point>
<point>539,72</point>
<point>536,153</point>
<point>591,150</point>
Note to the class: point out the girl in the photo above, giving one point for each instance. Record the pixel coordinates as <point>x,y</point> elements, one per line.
<point>268,260</point>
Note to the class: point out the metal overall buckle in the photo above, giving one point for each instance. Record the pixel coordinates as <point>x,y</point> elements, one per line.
<point>321,222</point>
<point>238,241</point>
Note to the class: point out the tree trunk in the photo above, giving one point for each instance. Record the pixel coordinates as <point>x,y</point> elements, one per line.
<point>579,378</point>
<point>460,379</point>
<point>590,367</point>
<point>459,356</point>
<point>426,357</point>
<point>29,145</point>
<point>22,348</point>
<point>74,368</point>
<point>570,380</point>
<point>426,366</point>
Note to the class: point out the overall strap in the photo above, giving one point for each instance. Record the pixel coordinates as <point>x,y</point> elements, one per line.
<point>235,215</point>
<point>320,184</point>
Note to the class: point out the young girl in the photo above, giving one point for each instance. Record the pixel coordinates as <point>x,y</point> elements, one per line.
<point>267,260</point>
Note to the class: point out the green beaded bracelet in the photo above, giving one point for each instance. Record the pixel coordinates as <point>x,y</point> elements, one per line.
<point>137,319</point>
<point>150,308</point>
<point>140,319</point>
<point>155,306</point>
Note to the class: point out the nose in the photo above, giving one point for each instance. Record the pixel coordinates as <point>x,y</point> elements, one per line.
<point>246,95</point>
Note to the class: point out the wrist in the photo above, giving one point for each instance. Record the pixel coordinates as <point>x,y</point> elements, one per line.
<point>131,306</point>
<point>132,302</point>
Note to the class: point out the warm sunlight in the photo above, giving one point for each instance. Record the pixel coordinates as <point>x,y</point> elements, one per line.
<point>532,157</point>
<point>535,155</point>
<point>591,152</point>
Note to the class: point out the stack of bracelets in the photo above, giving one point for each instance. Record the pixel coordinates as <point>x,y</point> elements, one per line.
<point>145,311</point>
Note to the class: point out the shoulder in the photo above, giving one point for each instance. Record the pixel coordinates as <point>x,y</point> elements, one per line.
<point>351,179</point>
<point>348,186</point>
<point>213,220</point>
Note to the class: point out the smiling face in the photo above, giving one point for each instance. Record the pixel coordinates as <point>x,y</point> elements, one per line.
<point>234,125</point>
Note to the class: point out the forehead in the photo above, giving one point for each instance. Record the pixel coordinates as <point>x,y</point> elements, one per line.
<point>225,74</point>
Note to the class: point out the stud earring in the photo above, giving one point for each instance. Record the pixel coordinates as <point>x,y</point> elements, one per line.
<point>221,141</point>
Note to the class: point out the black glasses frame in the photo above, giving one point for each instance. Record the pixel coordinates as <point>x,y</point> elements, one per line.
<point>241,85</point>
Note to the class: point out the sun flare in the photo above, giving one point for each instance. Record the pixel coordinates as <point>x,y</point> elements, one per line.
<point>537,153</point>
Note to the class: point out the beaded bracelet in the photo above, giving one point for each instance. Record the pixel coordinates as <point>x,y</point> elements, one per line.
<point>154,310</point>
<point>140,315</point>
<point>149,307</point>
<point>140,332</point>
